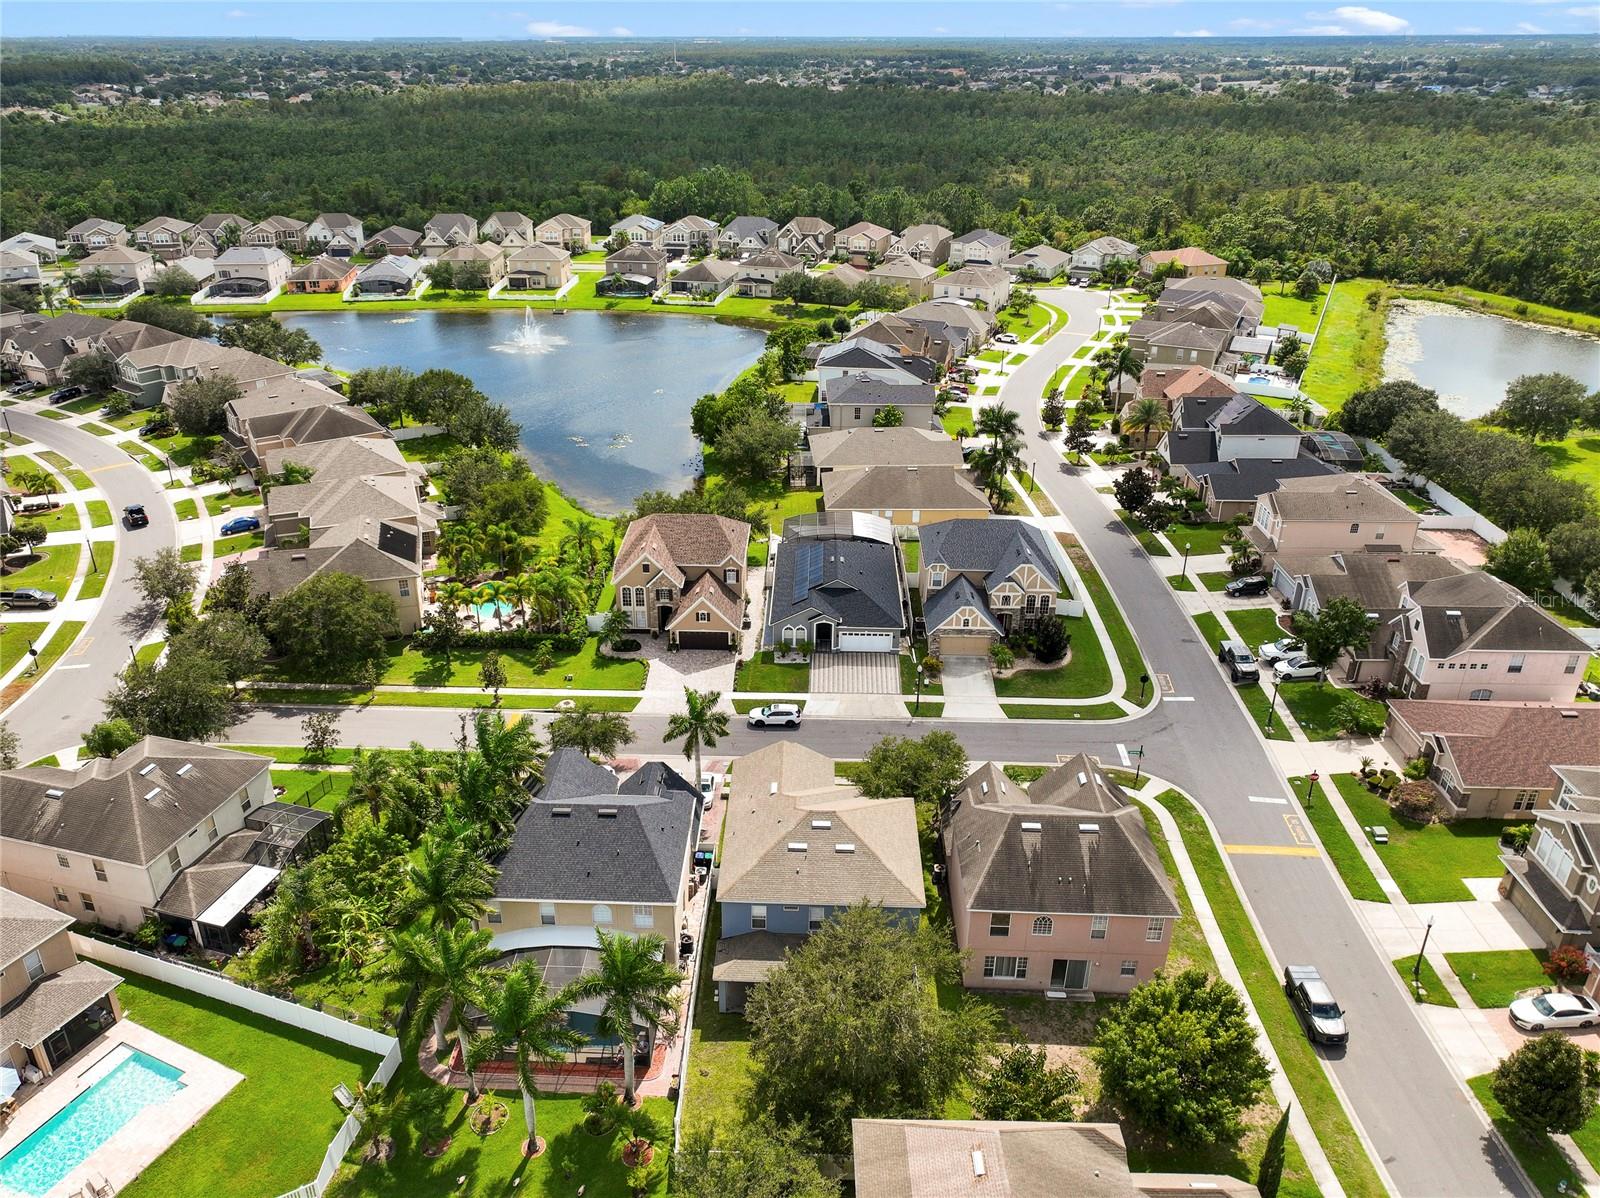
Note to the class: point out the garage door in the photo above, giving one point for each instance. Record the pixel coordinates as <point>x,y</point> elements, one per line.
<point>866,642</point>
<point>702,640</point>
<point>952,645</point>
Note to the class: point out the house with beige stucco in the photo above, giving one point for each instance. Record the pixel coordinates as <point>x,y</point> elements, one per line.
<point>1334,513</point>
<point>682,574</point>
<point>564,231</point>
<point>983,579</point>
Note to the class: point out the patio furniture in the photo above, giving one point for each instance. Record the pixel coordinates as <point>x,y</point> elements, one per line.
<point>99,1186</point>
<point>32,1074</point>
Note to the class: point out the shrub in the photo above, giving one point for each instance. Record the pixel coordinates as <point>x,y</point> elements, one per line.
<point>1051,642</point>
<point>1001,655</point>
<point>1417,768</point>
<point>1355,716</point>
<point>626,645</point>
<point>1415,801</point>
<point>1517,837</point>
<point>1567,966</point>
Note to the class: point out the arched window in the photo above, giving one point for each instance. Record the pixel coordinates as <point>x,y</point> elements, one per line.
<point>1481,696</point>
<point>602,915</point>
<point>1043,926</point>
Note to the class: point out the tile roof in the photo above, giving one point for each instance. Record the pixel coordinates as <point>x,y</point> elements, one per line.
<point>1507,745</point>
<point>1174,382</point>
<point>1188,256</point>
<point>864,228</point>
<point>323,268</point>
<point>896,269</point>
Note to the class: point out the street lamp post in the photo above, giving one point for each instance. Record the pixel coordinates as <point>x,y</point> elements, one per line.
<point>170,478</point>
<point>1311,782</point>
<point>1144,681</point>
<point>93,563</point>
<point>1138,767</point>
<point>1416,966</point>
<point>1185,571</point>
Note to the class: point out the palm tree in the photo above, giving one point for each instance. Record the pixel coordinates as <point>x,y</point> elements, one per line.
<point>597,733</point>
<point>454,539</point>
<point>699,725</point>
<point>454,595</point>
<point>635,985</point>
<point>445,968</point>
<point>483,595</point>
<point>1145,417</point>
<point>447,883</point>
<point>998,423</point>
<point>373,780</point>
<point>1298,408</point>
<point>1118,358</point>
<point>286,924</point>
<point>994,462</point>
<point>35,482</point>
<point>497,539</point>
<point>97,280</point>
<point>492,594</point>
<point>518,589</point>
<point>583,539</point>
<point>49,296</point>
<point>510,750</point>
<point>524,1016</point>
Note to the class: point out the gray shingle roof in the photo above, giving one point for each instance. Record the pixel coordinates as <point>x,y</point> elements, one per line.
<point>1477,611</point>
<point>996,547</point>
<point>871,392</point>
<point>54,1001</point>
<point>1247,478</point>
<point>856,583</point>
<point>25,924</point>
<point>951,598</point>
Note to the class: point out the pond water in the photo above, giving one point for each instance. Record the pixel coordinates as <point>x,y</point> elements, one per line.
<point>1469,357</point>
<point>603,398</point>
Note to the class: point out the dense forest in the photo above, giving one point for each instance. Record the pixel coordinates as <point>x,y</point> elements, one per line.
<point>1502,194</point>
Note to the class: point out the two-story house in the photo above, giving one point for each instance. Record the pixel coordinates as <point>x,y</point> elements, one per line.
<point>216,231</point>
<point>831,451</point>
<point>689,236</point>
<point>1233,450</point>
<point>759,273</point>
<point>1334,513</point>
<point>1555,883</point>
<point>564,231</point>
<point>538,267</point>
<point>638,267</point>
<point>42,248</point>
<point>509,229</point>
<point>1040,263</point>
<point>707,278</point>
<point>250,270</point>
<point>808,237</point>
<point>117,271</point>
<point>485,254</point>
<point>928,244</point>
<point>1090,258</point>
<point>1055,887</point>
<point>1178,342</point>
<point>798,847</point>
<point>746,235</point>
<point>639,229</point>
<point>446,230</point>
<point>989,286</point>
<point>165,237</point>
<point>51,1004</point>
<point>682,574</point>
<point>981,247</point>
<point>862,243</point>
<point>906,496</point>
<point>39,347</point>
<point>95,234</point>
<point>1192,262</point>
<point>983,579</point>
<point>276,232</point>
<point>148,369</point>
<point>1472,636</point>
<point>859,358</point>
<point>853,400</point>
<point>904,270</point>
<point>335,233</point>
<point>18,268</point>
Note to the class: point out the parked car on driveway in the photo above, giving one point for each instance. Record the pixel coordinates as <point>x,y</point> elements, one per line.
<point>27,597</point>
<point>1241,666</point>
<point>1544,1011</point>
<point>775,715</point>
<point>1248,586</point>
<point>1277,650</point>
<point>1314,1005</point>
<point>241,524</point>
<point>158,427</point>
<point>66,393</point>
<point>21,387</point>
<point>1297,668</point>
<point>1006,338</point>
<point>134,516</point>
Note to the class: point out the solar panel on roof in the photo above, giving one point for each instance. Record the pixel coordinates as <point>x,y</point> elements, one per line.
<point>807,568</point>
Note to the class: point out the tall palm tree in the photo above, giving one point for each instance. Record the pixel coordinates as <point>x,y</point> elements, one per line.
<point>597,733</point>
<point>1119,358</point>
<point>97,280</point>
<point>525,1017</point>
<point>994,462</point>
<point>998,423</point>
<point>454,538</point>
<point>286,924</point>
<point>635,985</point>
<point>446,883</point>
<point>35,482</point>
<point>584,537</point>
<point>373,781</point>
<point>517,590</point>
<point>49,297</point>
<point>1145,417</point>
<point>509,748</point>
<point>493,595</point>
<point>445,968</point>
<point>454,595</point>
<point>699,725</point>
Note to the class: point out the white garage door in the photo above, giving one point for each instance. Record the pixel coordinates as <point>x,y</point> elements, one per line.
<point>866,642</point>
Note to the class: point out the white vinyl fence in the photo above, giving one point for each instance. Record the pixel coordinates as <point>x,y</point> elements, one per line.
<point>211,984</point>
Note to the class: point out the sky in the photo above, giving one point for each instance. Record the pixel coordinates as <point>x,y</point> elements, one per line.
<point>361,19</point>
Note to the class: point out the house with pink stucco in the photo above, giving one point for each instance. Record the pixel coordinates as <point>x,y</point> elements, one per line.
<point>1055,887</point>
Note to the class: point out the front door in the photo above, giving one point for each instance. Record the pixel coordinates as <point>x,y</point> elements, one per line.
<point>824,641</point>
<point>1069,975</point>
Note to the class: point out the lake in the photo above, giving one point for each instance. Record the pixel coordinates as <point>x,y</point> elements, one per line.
<point>603,398</point>
<point>1469,357</point>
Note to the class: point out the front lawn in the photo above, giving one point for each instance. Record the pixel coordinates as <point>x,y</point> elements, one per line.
<point>103,554</point>
<point>51,571</point>
<point>272,1128</point>
<point>1536,1152</point>
<point>1215,580</point>
<point>226,501</point>
<point>957,421</point>
<point>590,670</point>
<point>1148,540</point>
<point>908,675</point>
<point>1427,862</point>
<point>1357,875</point>
<point>1494,979</point>
<point>61,519</point>
<point>1202,538</point>
<point>63,466</point>
<point>15,639</point>
<point>238,543</point>
<point>760,673</point>
<point>1256,625</point>
<point>185,509</point>
<point>1433,992</point>
<point>1128,655</point>
<point>1313,704</point>
<point>183,449</point>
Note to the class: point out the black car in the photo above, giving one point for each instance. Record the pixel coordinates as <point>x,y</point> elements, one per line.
<point>134,516</point>
<point>66,393</point>
<point>1249,586</point>
<point>156,428</point>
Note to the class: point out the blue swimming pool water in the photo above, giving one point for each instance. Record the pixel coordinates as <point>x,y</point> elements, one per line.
<point>85,1123</point>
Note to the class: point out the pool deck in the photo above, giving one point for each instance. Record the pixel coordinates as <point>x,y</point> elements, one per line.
<point>149,1133</point>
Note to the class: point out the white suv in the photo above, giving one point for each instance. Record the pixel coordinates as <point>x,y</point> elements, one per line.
<point>775,715</point>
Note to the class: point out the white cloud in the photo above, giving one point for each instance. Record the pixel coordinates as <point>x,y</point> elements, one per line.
<point>621,31</point>
<point>1192,33</point>
<point>557,29</point>
<point>1587,12</point>
<point>1530,27</point>
<point>1370,18</point>
<point>941,29</point>
<point>236,14</point>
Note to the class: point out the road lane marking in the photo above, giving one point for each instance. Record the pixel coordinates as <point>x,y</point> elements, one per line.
<point>1164,683</point>
<point>1179,699</point>
<point>1297,829</point>
<point>113,466</point>
<point>1268,799</point>
<point>1122,752</point>
<point>1270,850</point>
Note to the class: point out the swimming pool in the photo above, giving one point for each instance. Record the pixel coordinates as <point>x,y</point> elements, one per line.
<point>128,1081</point>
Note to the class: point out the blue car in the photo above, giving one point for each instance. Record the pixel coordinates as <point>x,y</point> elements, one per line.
<point>241,524</point>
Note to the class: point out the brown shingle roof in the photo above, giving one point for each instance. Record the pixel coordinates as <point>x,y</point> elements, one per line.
<point>25,924</point>
<point>1504,745</point>
<point>682,539</point>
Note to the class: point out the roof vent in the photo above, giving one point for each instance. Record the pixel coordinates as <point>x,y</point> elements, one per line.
<point>1089,829</point>
<point>1030,825</point>
<point>146,770</point>
<point>607,813</point>
<point>185,768</point>
<point>53,793</point>
<point>150,794</point>
<point>978,1167</point>
<point>822,823</point>
<point>1452,614</point>
<point>845,847</point>
<point>1568,714</point>
<point>1083,778</point>
<point>561,811</point>
<point>773,789</point>
<point>797,846</point>
<point>297,557</point>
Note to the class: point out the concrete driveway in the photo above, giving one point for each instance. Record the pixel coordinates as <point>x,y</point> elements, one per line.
<point>672,672</point>
<point>969,690</point>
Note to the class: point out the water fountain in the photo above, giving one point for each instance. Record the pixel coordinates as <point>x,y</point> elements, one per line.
<point>530,338</point>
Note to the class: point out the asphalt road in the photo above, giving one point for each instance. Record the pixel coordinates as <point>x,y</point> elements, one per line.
<point>61,707</point>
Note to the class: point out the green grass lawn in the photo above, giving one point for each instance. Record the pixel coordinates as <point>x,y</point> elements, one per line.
<point>373,1001</point>
<point>294,754</point>
<point>435,447</point>
<point>63,466</point>
<point>1411,499</point>
<point>312,787</point>
<point>1427,863</point>
<point>590,670</point>
<point>183,449</point>
<point>463,700</point>
<point>287,1094</point>
<point>146,459</point>
<point>1084,675</point>
<point>227,501</point>
<point>99,430</point>
<point>1147,539</point>
<point>1051,711</point>
<point>1210,628</point>
<point>1202,538</point>
<point>52,571</point>
<point>1313,704</point>
<point>238,543</point>
<point>94,582</point>
<point>1494,978</point>
<point>911,551</point>
<point>1180,582</point>
<point>128,421</point>
<point>761,673</point>
<point>719,1051</point>
<point>1256,625</point>
<point>1257,701</point>
<point>1348,353</point>
<point>1433,992</point>
<point>147,654</point>
<point>84,407</point>
<point>958,421</point>
<point>1342,851</point>
<point>100,514</point>
<point>185,509</point>
<point>1215,580</point>
<point>62,519</point>
<point>1537,1153</point>
<point>1127,650</point>
<point>15,639</point>
<point>191,553</point>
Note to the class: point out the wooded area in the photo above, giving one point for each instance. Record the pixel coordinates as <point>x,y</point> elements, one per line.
<point>1500,194</point>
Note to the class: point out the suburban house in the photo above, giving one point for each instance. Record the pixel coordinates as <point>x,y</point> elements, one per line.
<point>860,448</point>
<point>215,231</point>
<point>201,270</point>
<point>164,236</point>
<point>1474,637</point>
<point>565,232</point>
<point>20,269</point>
<point>250,270</point>
<point>335,233</point>
<point>445,230</point>
<point>981,247</point>
<point>960,327</point>
<point>1555,883</point>
<point>1179,343</point>
<point>95,234</point>
<point>1241,298</point>
<point>808,237</point>
<point>1494,760</point>
<point>276,232</point>
<point>918,338</point>
<point>639,229</point>
<point>905,495</point>
<point>928,244</point>
<point>127,272</point>
<point>798,847</point>
<point>39,347</point>
<point>1090,258</point>
<point>1043,262</point>
<point>154,360</point>
<point>915,275</point>
<point>507,229</point>
<point>43,249</point>
<point>286,411</point>
<point>638,266</point>
<point>538,267</point>
<point>759,273</point>
<point>863,243</point>
<point>51,1003</point>
<point>1334,513</point>
<point>689,235</point>
<point>1169,384</point>
<point>852,401</point>
<point>1233,449</point>
<point>593,854</point>
<point>944,1158</point>
<point>323,275</point>
<point>392,274</point>
<point>682,574</point>
<point>1055,887</point>
<point>746,235</point>
<point>983,579</point>
<point>836,584</point>
<point>863,358</point>
<point>488,255</point>
<point>986,285</point>
<point>184,832</point>
<point>708,278</point>
<point>1192,262</point>
<point>394,240</point>
<point>850,276</point>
